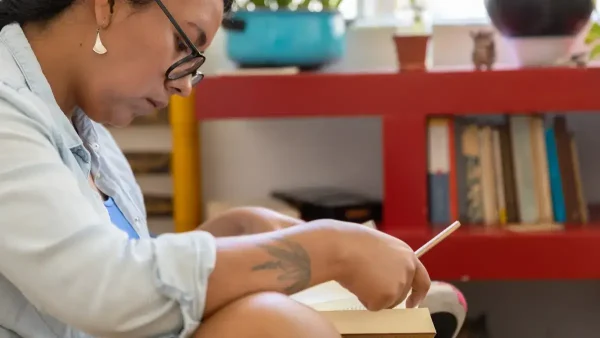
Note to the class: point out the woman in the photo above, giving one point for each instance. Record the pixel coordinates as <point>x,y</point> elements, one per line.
<point>76,259</point>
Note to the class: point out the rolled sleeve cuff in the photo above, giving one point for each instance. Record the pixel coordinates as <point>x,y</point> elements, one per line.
<point>184,264</point>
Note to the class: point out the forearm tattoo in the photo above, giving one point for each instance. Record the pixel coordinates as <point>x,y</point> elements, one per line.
<point>291,260</point>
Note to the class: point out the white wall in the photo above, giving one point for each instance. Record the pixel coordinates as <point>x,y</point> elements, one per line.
<point>247,158</point>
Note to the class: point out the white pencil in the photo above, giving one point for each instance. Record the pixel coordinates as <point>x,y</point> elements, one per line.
<point>432,242</point>
<point>438,238</point>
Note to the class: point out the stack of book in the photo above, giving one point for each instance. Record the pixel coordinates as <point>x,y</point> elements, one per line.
<point>515,169</point>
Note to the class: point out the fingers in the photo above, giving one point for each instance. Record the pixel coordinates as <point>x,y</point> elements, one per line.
<point>404,289</point>
<point>420,287</point>
<point>403,295</point>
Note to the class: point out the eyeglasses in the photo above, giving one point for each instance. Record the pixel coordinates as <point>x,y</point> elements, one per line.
<point>190,64</point>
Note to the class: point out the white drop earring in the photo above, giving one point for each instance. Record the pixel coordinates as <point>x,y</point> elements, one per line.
<point>98,46</point>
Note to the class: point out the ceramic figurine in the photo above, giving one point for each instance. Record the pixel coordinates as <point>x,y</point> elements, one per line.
<point>576,60</point>
<point>484,49</point>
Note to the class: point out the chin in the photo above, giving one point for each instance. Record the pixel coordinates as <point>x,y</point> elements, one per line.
<point>121,120</point>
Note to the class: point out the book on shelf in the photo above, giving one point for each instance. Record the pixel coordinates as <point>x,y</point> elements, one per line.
<point>504,170</point>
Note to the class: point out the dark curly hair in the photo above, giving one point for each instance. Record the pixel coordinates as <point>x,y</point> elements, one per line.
<point>24,11</point>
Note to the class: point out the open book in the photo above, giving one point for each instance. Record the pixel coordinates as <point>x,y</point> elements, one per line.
<point>331,296</point>
<point>343,309</point>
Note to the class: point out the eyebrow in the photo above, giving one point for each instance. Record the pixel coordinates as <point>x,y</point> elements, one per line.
<point>201,41</point>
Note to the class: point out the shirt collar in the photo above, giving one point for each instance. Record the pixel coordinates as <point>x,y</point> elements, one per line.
<point>15,41</point>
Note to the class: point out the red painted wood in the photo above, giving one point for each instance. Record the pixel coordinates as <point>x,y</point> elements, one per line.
<point>404,172</point>
<point>404,101</point>
<point>404,94</point>
<point>502,255</point>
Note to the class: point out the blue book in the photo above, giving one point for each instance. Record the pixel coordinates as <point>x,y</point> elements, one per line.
<point>558,197</point>
<point>439,198</point>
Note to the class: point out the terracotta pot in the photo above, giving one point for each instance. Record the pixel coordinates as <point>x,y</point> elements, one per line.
<point>411,51</point>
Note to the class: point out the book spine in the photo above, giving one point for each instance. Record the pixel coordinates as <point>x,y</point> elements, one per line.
<point>439,171</point>
<point>558,198</point>
<point>523,168</point>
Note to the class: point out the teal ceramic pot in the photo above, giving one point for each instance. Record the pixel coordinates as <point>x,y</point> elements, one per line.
<point>265,38</point>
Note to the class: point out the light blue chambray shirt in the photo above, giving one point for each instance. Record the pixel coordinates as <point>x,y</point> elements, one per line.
<point>65,270</point>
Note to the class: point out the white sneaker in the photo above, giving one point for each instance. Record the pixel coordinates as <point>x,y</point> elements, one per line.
<point>448,308</point>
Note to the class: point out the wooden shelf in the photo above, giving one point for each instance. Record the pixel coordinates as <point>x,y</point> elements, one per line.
<point>408,95</point>
<point>404,101</point>
<point>478,254</point>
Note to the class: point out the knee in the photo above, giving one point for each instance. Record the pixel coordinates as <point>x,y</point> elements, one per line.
<point>266,315</point>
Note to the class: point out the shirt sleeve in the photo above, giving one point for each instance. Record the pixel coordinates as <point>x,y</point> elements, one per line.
<point>71,263</point>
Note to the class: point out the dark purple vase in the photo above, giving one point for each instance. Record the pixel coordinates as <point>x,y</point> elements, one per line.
<point>540,18</point>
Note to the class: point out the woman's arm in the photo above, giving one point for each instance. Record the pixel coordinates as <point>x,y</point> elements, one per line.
<point>63,254</point>
<point>247,221</point>
<point>288,261</point>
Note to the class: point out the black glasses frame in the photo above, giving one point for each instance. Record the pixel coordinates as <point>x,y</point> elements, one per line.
<point>197,76</point>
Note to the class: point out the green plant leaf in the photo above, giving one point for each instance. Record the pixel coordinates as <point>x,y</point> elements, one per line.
<point>304,4</point>
<point>331,4</point>
<point>284,4</point>
<point>593,33</point>
<point>595,52</point>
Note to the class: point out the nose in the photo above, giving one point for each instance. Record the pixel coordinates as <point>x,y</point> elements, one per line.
<point>181,87</point>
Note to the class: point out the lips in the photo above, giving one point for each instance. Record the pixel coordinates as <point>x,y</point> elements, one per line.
<point>157,104</point>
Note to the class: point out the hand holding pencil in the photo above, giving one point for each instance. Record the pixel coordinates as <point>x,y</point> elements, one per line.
<point>384,270</point>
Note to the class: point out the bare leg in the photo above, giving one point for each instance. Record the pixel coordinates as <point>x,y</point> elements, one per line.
<point>266,315</point>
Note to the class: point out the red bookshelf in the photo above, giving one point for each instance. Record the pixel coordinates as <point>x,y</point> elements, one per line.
<point>404,101</point>
<point>502,255</point>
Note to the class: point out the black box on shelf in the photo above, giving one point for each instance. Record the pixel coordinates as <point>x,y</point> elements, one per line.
<point>332,203</point>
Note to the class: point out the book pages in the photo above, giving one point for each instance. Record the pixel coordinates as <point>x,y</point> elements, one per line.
<point>331,296</point>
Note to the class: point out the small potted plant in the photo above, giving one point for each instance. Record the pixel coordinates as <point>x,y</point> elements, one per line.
<point>280,33</point>
<point>411,45</point>
<point>591,40</point>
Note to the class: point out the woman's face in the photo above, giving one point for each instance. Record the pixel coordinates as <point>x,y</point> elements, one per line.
<point>129,80</point>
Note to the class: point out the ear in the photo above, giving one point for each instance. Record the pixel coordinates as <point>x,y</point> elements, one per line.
<point>103,10</point>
